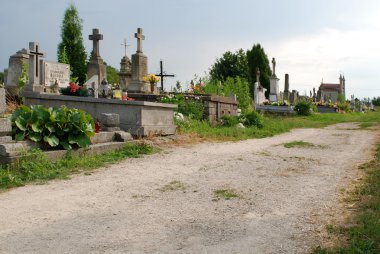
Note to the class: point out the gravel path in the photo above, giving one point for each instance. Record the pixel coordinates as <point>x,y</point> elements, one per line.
<point>165,203</point>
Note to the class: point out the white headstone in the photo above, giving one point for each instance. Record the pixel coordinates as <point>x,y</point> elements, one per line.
<point>53,72</point>
<point>93,83</point>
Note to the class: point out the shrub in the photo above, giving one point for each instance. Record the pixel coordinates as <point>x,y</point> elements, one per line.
<point>343,106</point>
<point>192,109</point>
<point>58,126</point>
<point>230,121</point>
<point>254,119</point>
<point>304,108</point>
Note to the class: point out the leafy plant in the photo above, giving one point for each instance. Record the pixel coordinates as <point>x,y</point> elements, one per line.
<point>58,126</point>
<point>230,121</point>
<point>304,108</point>
<point>343,106</point>
<point>192,109</point>
<point>254,119</point>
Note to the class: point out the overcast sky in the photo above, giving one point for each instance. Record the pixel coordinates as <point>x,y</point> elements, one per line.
<point>311,40</point>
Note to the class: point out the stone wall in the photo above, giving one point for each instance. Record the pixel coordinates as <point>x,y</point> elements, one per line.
<point>137,117</point>
<point>218,106</point>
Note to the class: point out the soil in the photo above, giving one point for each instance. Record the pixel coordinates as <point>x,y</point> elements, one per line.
<point>166,203</point>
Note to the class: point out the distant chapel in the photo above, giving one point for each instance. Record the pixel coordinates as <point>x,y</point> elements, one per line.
<point>328,91</point>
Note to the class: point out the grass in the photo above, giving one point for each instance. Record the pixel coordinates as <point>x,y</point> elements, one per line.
<point>35,167</point>
<point>363,236</point>
<point>173,186</point>
<point>226,194</point>
<point>274,125</point>
<point>298,144</point>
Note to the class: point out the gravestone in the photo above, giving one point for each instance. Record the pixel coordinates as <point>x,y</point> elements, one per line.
<point>15,70</point>
<point>293,97</point>
<point>96,65</point>
<point>274,88</point>
<point>125,73</point>
<point>55,74</point>
<point>286,89</point>
<point>93,85</point>
<point>139,66</point>
<point>259,90</point>
<point>34,84</point>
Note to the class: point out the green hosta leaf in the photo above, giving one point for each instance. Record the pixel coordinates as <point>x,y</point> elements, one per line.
<point>65,144</point>
<point>52,140</point>
<point>50,127</point>
<point>37,127</point>
<point>20,136</point>
<point>81,140</point>
<point>89,131</point>
<point>21,123</point>
<point>35,136</point>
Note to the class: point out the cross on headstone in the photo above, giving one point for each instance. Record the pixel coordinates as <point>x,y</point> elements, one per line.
<point>95,37</point>
<point>34,53</point>
<point>125,44</point>
<point>139,35</point>
<point>258,75</point>
<point>162,75</point>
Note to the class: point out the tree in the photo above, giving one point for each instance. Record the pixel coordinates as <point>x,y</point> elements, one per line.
<point>257,58</point>
<point>376,101</point>
<point>230,65</point>
<point>71,47</point>
<point>112,74</point>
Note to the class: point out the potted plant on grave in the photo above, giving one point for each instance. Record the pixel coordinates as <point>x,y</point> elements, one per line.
<point>152,80</point>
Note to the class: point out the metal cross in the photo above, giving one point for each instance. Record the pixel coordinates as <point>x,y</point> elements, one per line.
<point>125,44</point>
<point>36,53</point>
<point>162,75</point>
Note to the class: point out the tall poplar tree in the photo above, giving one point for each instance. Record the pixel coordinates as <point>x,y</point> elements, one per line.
<point>71,49</point>
<point>257,58</point>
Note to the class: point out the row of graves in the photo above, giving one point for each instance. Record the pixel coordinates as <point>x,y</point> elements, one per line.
<point>326,98</point>
<point>132,109</point>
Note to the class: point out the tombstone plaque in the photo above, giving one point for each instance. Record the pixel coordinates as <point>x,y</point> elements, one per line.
<point>53,72</point>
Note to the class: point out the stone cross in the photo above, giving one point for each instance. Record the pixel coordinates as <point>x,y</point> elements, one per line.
<point>139,35</point>
<point>34,63</point>
<point>274,66</point>
<point>95,37</point>
<point>125,44</point>
<point>34,55</point>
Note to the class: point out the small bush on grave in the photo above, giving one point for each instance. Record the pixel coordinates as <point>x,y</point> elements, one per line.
<point>192,109</point>
<point>304,108</point>
<point>254,119</point>
<point>53,127</point>
<point>343,106</point>
<point>230,121</point>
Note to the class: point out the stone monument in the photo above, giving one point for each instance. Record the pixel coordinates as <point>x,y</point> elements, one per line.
<point>125,73</point>
<point>286,89</point>
<point>15,70</point>
<point>274,88</point>
<point>259,90</point>
<point>34,84</point>
<point>139,66</point>
<point>96,65</point>
<point>5,124</point>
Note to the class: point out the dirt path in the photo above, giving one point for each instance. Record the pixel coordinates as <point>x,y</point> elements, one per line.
<point>287,195</point>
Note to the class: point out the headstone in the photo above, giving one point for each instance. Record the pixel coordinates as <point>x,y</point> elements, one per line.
<point>15,70</point>
<point>55,74</point>
<point>139,66</point>
<point>274,86</point>
<point>34,84</point>
<point>125,73</point>
<point>259,91</point>
<point>96,65</point>
<point>293,97</point>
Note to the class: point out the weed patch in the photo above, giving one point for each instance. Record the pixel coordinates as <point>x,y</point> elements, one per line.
<point>174,186</point>
<point>226,194</point>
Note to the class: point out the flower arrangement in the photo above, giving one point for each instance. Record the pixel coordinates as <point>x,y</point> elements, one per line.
<point>74,90</point>
<point>151,79</point>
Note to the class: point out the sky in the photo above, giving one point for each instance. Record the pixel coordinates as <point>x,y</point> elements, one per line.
<point>311,40</point>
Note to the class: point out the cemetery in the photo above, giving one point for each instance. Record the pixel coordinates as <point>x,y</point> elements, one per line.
<point>236,158</point>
